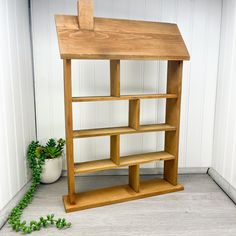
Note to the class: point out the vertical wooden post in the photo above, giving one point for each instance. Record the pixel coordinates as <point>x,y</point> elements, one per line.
<point>115,91</point>
<point>134,177</point>
<point>174,83</point>
<point>115,148</point>
<point>69,130</point>
<point>134,113</point>
<point>115,78</point>
<point>85,14</point>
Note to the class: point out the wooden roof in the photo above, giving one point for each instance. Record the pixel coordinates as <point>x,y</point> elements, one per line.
<point>120,39</point>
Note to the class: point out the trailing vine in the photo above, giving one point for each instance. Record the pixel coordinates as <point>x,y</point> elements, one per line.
<point>35,163</point>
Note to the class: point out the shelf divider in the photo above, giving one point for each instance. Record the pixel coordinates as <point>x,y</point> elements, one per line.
<point>115,149</point>
<point>115,78</point>
<point>134,113</point>
<point>134,178</point>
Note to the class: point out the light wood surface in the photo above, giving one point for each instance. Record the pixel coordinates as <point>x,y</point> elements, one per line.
<point>144,158</point>
<point>115,149</point>
<point>69,128</point>
<point>116,39</point>
<point>94,166</point>
<point>111,195</point>
<point>134,113</point>
<point>115,78</point>
<point>123,97</point>
<point>85,14</point>
<point>174,82</point>
<point>105,164</point>
<point>102,132</point>
<point>134,178</point>
<point>121,130</point>
<point>155,127</point>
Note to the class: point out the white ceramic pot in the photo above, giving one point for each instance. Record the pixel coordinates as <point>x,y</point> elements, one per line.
<point>51,170</point>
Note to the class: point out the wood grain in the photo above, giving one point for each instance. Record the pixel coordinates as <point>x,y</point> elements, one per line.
<point>105,164</point>
<point>134,114</point>
<point>121,130</point>
<point>144,158</point>
<point>115,149</point>
<point>134,181</point>
<point>116,39</point>
<point>69,130</point>
<point>111,195</point>
<point>94,166</point>
<point>85,14</point>
<point>115,78</point>
<point>174,82</point>
<point>123,97</point>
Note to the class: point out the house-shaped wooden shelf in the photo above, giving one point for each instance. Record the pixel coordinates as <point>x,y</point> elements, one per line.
<point>85,37</point>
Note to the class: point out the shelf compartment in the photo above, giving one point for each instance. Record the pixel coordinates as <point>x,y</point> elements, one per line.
<point>93,166</point>
<point>123,97</point>
<point>102,132</point>
<point>105,164</point>
<point>145,157</point>
<point>117,194</point>
<point>121,130</point>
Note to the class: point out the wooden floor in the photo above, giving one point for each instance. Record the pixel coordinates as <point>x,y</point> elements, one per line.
<point>202,209</point>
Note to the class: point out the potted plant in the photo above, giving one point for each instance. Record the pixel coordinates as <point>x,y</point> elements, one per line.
<point>52,154</point>
<point>36,157</point>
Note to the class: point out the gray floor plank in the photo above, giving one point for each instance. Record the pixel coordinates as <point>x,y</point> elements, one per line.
<point>202,209</point>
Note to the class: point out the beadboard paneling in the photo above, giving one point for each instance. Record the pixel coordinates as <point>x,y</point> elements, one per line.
<point>224,148</point>
<point>199,22</point>
<point>17,120</point>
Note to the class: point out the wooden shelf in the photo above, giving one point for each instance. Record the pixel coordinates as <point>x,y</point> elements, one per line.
<point>102,132</point>
<point>144,158</point>
<point>94,166</point>
<point>121,130</point>
<point>116,39</point>
<point>123,97</point>
<point>85,37</point>
<point>117,194</point>
<point>157,127</point>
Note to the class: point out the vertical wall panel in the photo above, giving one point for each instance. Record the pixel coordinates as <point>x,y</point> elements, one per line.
<point>224,147</point>
<point>17,120</point>
<point>199,22</point>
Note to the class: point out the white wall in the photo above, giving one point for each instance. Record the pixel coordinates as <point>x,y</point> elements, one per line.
<point>199,22</point>
<point>17,125</point>
<point>224,149</point>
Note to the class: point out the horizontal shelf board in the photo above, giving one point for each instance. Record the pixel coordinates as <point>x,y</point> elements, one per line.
<point>121,130</point>
<point>123,97</point>
<point>93,166</point>
<point>144,158</point>
<point>98,165</point>
<point>117,194</point>
<point>102,132</point>
<point>157,127</point>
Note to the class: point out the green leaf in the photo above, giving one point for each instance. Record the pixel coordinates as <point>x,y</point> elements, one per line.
<point>36,155</point>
